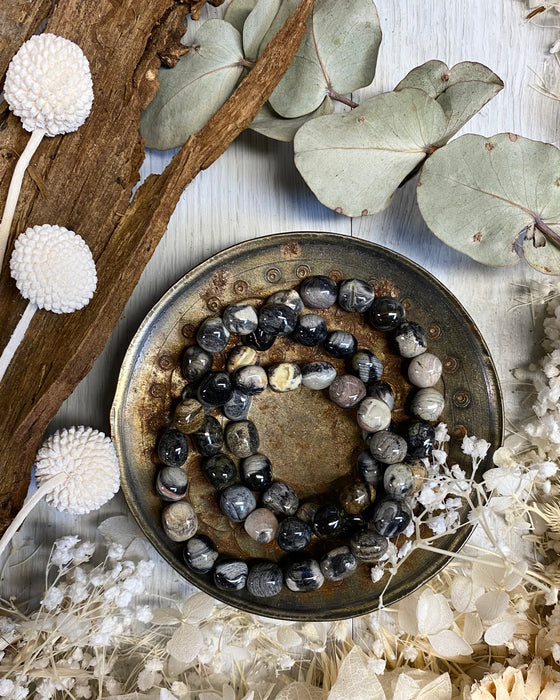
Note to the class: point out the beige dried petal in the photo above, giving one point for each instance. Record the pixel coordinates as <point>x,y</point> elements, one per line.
<point>433,613</point>
<point>448,644</point>
<point>492,605</point>
<point>500,633</point>
<point>472,628</point>
<point>166,616</point>
<point>185,644</point>
<point>461,593</point>
<point>355,681</point>
<point>439,689</point>
<point>301,691</point>
<point>198,607</point>
<point>287,637</point>
<point>407,615</point>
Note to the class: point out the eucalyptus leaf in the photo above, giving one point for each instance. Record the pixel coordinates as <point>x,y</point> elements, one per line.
<point>355,161</point>
<point>238,11</point>
<point>461,91</point>
<point>196,88</point>
<point>257,24</point>
<point>479,194</point>
<point>337,55</point>
<point>269,124</point>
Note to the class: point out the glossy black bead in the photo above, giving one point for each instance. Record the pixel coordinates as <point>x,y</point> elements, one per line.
<point>220,470</point>
<point>200,554</point>
<point>310,330</point>
<point>238,406</point>
<point>369,469</point>
<point>242,438</point>
<point>367,366</point>
<point>390,517</point>
<point>277,319</point>
<point>259,339</point>
<point>264,579</point>
<point>355,295</point>
<point>330,521</point>
<point>386,313</point>
<point>318,292</point>
<point>209,439</point>
<point>195,363</point>
<point>173,448</point>
<point>293,534</point>
<point>420,437</point>
<point>256,472</point>
<point>340,344</point>
<point>304,576</point>
<point>281,499</point>
<point>212,335</point>
<point>338,564</point>
<point>382,391</point>
<point>215,389</point>
<point>231,574</point>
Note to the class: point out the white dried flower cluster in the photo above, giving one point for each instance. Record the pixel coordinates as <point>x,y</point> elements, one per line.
<point>53,268</point>
<point>48,85</point>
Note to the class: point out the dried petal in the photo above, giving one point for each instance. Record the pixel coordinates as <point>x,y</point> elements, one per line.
<point>448,644</point>
<point>500,633</point>
<point>186,643</point>
<point>433,613</point>
<point>198,607</point>
<point>492,605</point>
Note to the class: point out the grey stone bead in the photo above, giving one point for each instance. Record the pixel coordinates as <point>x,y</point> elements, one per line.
<point>367,366</point>
<point>369,469</point>
<point>240,318</point>
<point>398,480</point>
<point>355,295</point>
<point>347,390</point>
<point>242,438</point>
<point>383,391</point>
<point>200,554</point>
<point>261,525</point>
<point>387,447</point>
<point>284,376</point>
<point>195,363</point>
<point>179,521</point>
<point>318,375</point>
<point>368,545</point>
<point>171,483</point>
<point>410,339</point>
<point>338,564</point>
<point>281,499</point>
<point>231,574</point>
<point>289,297</point>
<point>424,370</point>
<point>209,439</point>
<point>256,472</point>
<point>214,389</point>
<point>390,517</point>
<point>293,534</point>
<point>318,292</point>
<point>373,414</point>
<point>238,407</point>
<point>242,356</point>
<point>264,579</point>
<point>304,576</point>
<point>236,502</point>
<point>427,404</point>
<point>306,511</point>
<point>212,335</point>
<point>277,319</point>
<point>310,330</point>
<point>354,497</point>
<point>220,470</point>
<point>252,379</point>
<point>173,448</point>
<point>340,344</point>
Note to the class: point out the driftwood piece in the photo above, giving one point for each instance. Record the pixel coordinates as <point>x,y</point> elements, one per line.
<point>83,181</point>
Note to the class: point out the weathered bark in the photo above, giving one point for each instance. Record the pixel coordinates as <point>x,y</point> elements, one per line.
<point>83,181</point>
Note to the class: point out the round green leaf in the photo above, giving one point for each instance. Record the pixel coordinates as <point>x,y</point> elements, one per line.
<point>257,24</point>
<point>269,124</point>
<point>354,162</point>
<point>238,11</point>
<point>196,88</point>
<point>479,194</point>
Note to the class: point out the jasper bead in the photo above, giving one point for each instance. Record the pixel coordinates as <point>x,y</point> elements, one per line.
<point>212,335</point>
<point>256,472</point>
<point>310,330</point>
<point>261,525</point>
<point>242,438</point>
<point>330,521</point>
<point>367,366</point>
<point>338,564</point>
<point>199,554</point>
<point>238,407</point>
<point>173,448</point>
<point>240,318</point>
<point>277,319</point>
<point>220,470</point>
<point>367,545</point>
<point>369,469</point>
<point>410,339</point>
<point>318,292</point>
<point>427,404</point>
<point>179,521</point>
<point>425,370</point>
<point>355,295</point>
<point>284,376</point>
<point>387,447</point>
<point>289,297</point>
<point>209,439</point>
<point>306,511</point>
<point>391,517</point>
<point>386,313</point>
<point>231,575</point>
<point>347,391</point>
<point>354,497</point>
<point>251,380</point>
<point>420,437</point>
<point>171,483</point>
<point>340,344</point>
<point>318,375</point>
<point>241,356</point>
<point>259,339</point>
<point>281,499</point>
<point>236,502</point>
<point>382,391</point>
<point>195,363</point>
<point>215,389</point>
<point>398,480</point>
<point>373,414</point>
<point>188,416</point>
<point>293,534</point>
<point>304,576</point>
<point>264,579</point>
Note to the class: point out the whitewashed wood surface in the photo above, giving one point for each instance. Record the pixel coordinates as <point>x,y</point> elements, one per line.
<point>254,190</point>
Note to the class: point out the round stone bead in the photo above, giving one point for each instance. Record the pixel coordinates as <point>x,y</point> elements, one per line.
<point>261,525</point>
<point>382,391</point>
<point>256,472</point>
<point>306,511</point>
<point>179,521</point>
<point>330,521</point>
<point>427,404</point>
<point>220,470</point>
<point>318,375</point>
<point>215,389</point>
<point>171,483</point>
<point>252,379</point>
<point>264,579</point>
<point>425,370</point>
<point>284,376</point>
<point>212,335</point>
<point>318,292</point>
<point>340,344</point>
<point>354,497</point>
<point>420,473</point>
<point>259,339</point>
<point>288,297</point>
<point>387,447</point>
<point>373,414</point>
<point>369,469</point>
<point>398,480</point>
<point>310,330</point>
<point>195,363</point>
<point>367,545</point>
<point>238,407</point>
<point>199,554</point>
<point>241,356</point>
<point>209,439</point>
<point>188,416</point>
<point>231,574</point>
<point>410,339</point>
<point>420,437</point>
<point>173,448</point>
<point>347,391</point>
<point>281,499</point>
<point>390,517</point>
<point>240,318</point>
<point>236,502</point>
<point>367,366</point>
<point>355,295</point>
<point>293,534</point>
<point>242,438</point>
<point>338,563</point>
<point>304,576</point>
<point>386,313</point>
<point>277,319</point>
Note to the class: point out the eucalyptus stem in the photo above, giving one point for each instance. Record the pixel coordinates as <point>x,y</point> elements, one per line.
<point>334,95</point>
<point>547,231</point>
